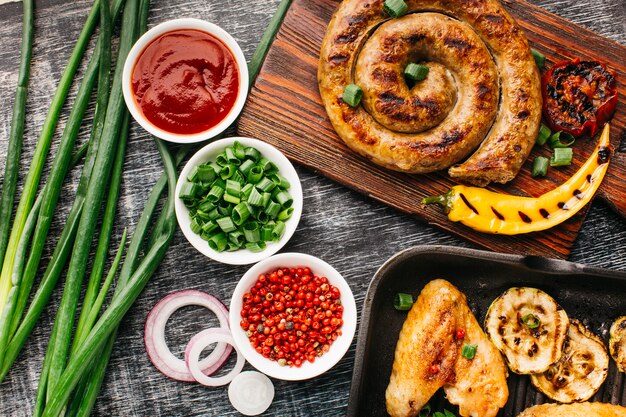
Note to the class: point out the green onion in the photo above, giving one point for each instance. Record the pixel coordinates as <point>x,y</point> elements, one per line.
<point>256,246</point>
<point>230,156</point>
<point>561,157</point>
<point>416,72</point>
<point>544,135</point>
<point>239,150</point>
<point>246,166</point>
<point>555,140</point>
<point>255,174</point>
<point>531,321</point>
<point>205,173</point>
<point>352,95</point>
<point>279,230</point>
<point>215,194</point>
<point>218,242</point>
<point>255,198</point>
<point>265,184</point>
<point>273,209</point>
<point>253,154</point>
<point>285,214</point>
<point>395,8</point>
<point>226,224</point>
<point>469,350</point>
<point>209,226</point>
<point>231,199</point>
<point>265,199</point>
<point>221,160</point>
<point>284,199</point>
<point>187,191</point>
<point>251,232</point>
<point>246,190</point>
<point>540,59</point>
<point>402,301</point>
<point>237,238</point>
<point>240,214</point>
<point>227,171</point>
<point>540,166</point>
<point>266,232</point>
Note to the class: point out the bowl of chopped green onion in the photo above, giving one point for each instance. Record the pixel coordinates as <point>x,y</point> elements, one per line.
<point>238,200</point>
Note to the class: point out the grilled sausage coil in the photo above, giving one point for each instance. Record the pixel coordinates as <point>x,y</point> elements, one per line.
<point>482,93</point>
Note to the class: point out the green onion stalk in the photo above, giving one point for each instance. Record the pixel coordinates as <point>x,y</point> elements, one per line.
<point>58,348</point>
<point>16,134</point>
<point>31,182</point>
<point>14,330</point>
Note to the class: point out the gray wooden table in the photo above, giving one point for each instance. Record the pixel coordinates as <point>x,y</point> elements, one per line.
<point>351,232</point>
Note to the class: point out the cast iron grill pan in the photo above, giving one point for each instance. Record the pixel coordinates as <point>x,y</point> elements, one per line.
<point>594,296</point>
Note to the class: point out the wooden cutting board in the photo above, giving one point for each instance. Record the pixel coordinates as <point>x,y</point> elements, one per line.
<point>285,109</point>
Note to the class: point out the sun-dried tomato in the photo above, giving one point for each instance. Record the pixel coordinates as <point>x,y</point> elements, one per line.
<point>578,96</point>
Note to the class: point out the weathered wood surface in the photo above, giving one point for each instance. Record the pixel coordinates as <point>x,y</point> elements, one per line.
<point>353,233</point>
<point>287,96</point>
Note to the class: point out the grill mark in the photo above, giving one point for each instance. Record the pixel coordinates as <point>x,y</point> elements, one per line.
<point>604,153</point>
<point>415,38</point>
<point>498,215</point>
<point>457,43</point>
<point>544,213</point>
<point>483,90</point>
<point>383,76</point>
<point>493,18</point>
<point>390,98</point>
<point>337,59</point>
<point>452,137</point>
<point>589,178</point>
<point>578,194</point>
<point>523,115</point>
<point>562,205</point>
<point>468,204</point>
<point>524,217</point>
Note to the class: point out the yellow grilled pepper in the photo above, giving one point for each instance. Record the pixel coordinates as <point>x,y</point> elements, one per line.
<point>492,212</point>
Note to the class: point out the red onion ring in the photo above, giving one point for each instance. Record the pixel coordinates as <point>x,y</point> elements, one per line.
<point>201,341</point>
<point>154,335</point>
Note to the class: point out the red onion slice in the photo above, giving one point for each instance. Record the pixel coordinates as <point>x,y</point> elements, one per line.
<point>154,336</point>
<point>198,343</point>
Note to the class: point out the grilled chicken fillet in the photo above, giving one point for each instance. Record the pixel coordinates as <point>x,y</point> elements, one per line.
<point>428,357</point>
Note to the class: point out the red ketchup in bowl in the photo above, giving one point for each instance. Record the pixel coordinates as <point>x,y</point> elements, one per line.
<point>185,81</point>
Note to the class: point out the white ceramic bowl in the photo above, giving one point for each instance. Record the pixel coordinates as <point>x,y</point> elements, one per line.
<point>178,24</point>
<point>241,256</point>
<point>308,369</point>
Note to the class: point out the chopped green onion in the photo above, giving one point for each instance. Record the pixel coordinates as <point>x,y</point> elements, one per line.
<point>285,214</point>
<point>209,226</point>
<point>256,246</point>
<point>206,206</point>
<point>265,199</point>
<point>266,232</point>
<point>281,182</point>
<point>221,159</point>
<point>218,242</point>
<point>187,191</point>
<point>233,188</point>
<point>540,59</point>
<point>255,174</point>
<point>555,140</point>
<point>255,198</point>
<point>279,230</point>
<point>237,238</point>
<point>238,177</point>
<point>195,226</point>
<point>268,166</point>
<point>215,194</point>
<point>265,184</point>
<point>469,350</point>
<point>214,214</point>
<point>232,199</point>
<point>273,209</point>
<point>544,134</point>
<point>540,166</point>
<point>416,72</point>
<point>246,190</point>
<point>395,8</point>
<point>531,321</point>
<point>240,213</point>
<point>239,150</point>
<point>193,175</point>
<point>252,232</point>
<point>253,154</point>
<point>262,217</point>
<point>205,173</point>
<point>561,157</point>
<point>352,95</point>
<point>246,166</point>
<point>226,224</point>
<point>227,171</point>
<point>402,301</point>
<point>284,199</point>
<point>225,208</point>
<point>230,156</point>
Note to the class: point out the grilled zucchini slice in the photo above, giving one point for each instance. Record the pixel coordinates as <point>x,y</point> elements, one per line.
<point>580,372</point>
<point>617,343</point>
<point>528,327</point>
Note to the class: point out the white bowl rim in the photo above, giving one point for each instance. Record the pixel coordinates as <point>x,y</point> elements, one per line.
<point>321,364</point>
<point>241,256</point>
<point>177,24</point>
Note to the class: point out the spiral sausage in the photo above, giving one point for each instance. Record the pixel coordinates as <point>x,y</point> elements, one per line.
<point>482,93</point>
